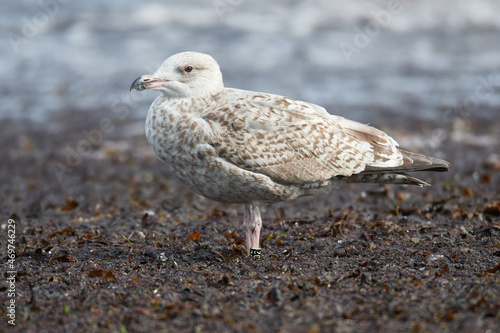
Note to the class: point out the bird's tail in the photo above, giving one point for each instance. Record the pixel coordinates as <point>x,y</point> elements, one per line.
<point>414,162</point>
<point>385,178</point>
<point>397,175</point>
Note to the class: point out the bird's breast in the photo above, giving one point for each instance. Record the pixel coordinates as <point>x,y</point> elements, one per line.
<point>172,136</point>
<point>180,140</point>
<point>186,142</point>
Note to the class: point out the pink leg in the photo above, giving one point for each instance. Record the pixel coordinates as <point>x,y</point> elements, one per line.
<point>252,223</point>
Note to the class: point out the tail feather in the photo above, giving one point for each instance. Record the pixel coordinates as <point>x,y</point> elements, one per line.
<point>414,162</point>
<point>385,178</point>
<point>397,175</point>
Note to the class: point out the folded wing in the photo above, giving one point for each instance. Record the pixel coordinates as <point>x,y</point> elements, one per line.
<point>294,142</point>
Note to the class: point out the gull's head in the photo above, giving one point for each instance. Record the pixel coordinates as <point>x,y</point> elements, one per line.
<point>186,74</point>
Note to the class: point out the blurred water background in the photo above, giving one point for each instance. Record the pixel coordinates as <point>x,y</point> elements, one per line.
<point>360,59</point>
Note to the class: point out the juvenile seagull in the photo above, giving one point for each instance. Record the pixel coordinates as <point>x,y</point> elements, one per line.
<point>254,148</point>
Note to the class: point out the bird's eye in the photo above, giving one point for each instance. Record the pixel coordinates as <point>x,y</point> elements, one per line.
<point>188,69</point>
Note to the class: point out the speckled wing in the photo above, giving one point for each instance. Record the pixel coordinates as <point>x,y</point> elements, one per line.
<point>294,142</point>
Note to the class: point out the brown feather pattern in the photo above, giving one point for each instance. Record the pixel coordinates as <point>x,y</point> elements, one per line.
<point>255,148</point>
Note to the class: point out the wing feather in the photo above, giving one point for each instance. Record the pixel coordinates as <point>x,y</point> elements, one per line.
<point>295,142</point>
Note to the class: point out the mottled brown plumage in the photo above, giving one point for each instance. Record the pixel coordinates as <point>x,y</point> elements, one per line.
<point>255,148</point>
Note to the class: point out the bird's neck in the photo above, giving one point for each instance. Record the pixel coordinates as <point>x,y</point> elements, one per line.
<point>195,106</point>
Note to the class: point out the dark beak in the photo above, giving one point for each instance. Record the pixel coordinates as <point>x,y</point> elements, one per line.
<point>137,85</point>
<point>148,81</point>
